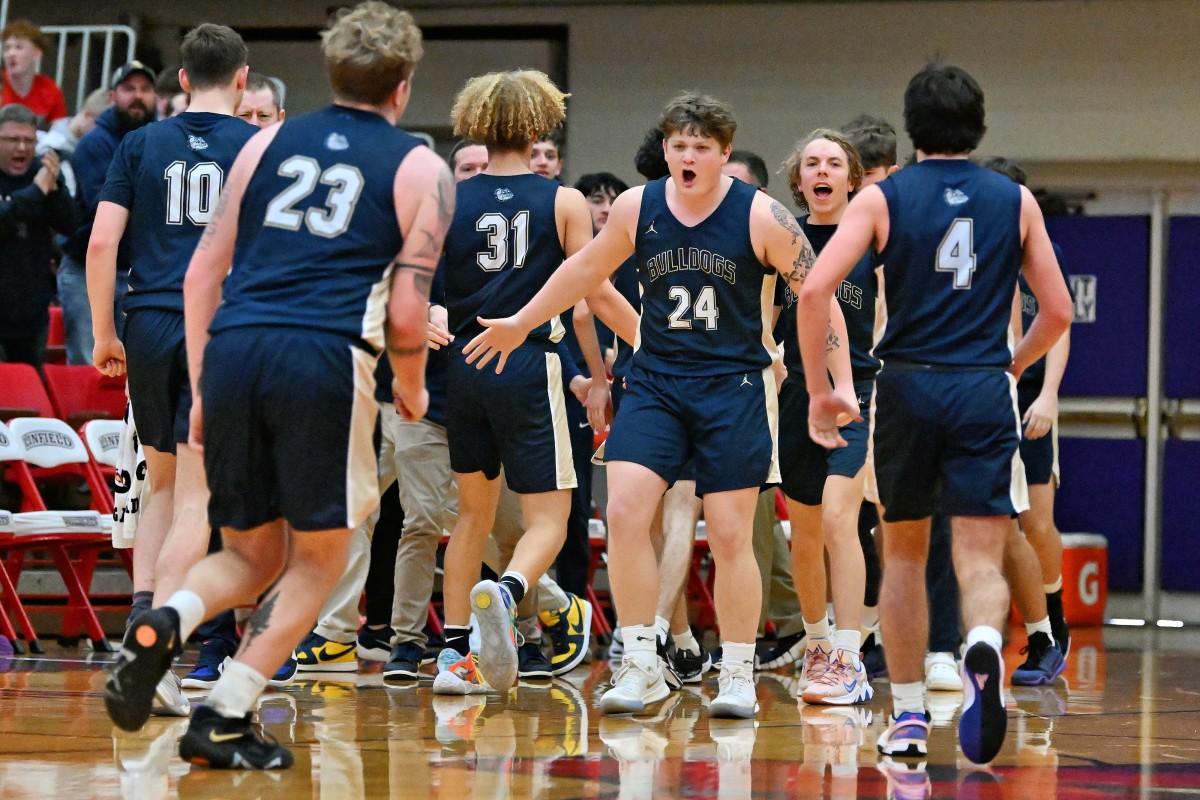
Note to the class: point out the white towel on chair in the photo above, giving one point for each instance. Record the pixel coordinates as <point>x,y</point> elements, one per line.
<point>131,484</point>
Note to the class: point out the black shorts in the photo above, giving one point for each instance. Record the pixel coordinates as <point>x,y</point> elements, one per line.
<point>1039,455</point>
<point>159,388</point>
<point>804,464</point>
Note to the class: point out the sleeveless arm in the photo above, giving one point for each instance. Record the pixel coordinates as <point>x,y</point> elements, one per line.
<point>1041,271</point>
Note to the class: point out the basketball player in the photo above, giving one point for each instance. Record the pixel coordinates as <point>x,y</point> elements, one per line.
<point>952,238</point>
<point>701,383</point>
<point>824,488</point>
<point>319,217</point>
<point>162,187</point>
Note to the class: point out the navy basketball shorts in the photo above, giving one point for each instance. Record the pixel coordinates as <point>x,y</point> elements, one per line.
<point>956,431</point>
<point>1039,455</point>
<point>725,424</point>
<point>289,429</point>
<point>804,464</point>
<point>517,419</point>
<point>159,388</point>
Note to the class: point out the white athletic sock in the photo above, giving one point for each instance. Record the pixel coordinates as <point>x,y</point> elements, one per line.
<point>1051,588</point>
<point>908,697</point>
<point>640,642</point>
<point>686,641</point>
<point>870,618</point>
<point>1042,625</point>
<point>850,641</point>
<point>661,626</point>
<point>817,630</point>
<point>734,652</point>
<point>236,690</point>
<point>191,611</point>
<point>983,633</point>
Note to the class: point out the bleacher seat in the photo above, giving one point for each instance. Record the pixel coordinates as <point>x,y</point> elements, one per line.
<point>56,338</point>
<point>22,393</point>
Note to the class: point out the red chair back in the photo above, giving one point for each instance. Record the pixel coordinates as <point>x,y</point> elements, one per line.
<point>22,393</point>
<point>80,393</point>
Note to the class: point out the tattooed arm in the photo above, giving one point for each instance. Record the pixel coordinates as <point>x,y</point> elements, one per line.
<point>211,263</point>
<point>424,191</point>
<point>786,248</point>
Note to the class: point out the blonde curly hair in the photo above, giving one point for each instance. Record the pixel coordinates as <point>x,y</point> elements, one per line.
<point>791,167</point>
<point>508,110</point>
<point>369,50</point>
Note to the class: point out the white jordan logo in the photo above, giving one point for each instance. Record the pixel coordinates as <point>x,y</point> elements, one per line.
<point>745,381</point>
<point>650,230</point>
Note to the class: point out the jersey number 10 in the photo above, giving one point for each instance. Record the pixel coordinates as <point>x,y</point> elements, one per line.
<point>194,190</point>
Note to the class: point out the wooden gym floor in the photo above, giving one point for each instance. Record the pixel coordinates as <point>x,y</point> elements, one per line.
<point>1124,721</point>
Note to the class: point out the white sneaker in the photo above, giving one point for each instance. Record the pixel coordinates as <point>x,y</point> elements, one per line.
<point>844,683</point>
<point>735,695</point>
<point>497,653</point>
<point>941,673</point>
<point>168,698</point>
<point>633,686</point>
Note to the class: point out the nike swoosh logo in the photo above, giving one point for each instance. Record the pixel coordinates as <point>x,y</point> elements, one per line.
<point>980,681</point>
<point>584,424</point>
<point>851,686</point>
<point>218,738</point>
<point>644,638</point>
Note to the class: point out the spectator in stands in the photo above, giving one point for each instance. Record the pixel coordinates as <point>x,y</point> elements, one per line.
<point>66,133</point>
<point>23,48</point>
<point>262,105</point>
<point>168,93</point>
<point>33,203</point>
<point>132,95</point>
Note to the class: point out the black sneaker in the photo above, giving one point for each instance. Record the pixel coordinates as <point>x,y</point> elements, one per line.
<point>1044,662</point>
<point>689,666</point>
<point>210,663</point>
<point>145,656</point>
<point>375,644</point>
<point>1060,630</point>
<point>223,743</point>
<point>532,663</point>
<point>873,658</point>
<point>404,664</point>
<point>674,682</point>
<point>786,651</point>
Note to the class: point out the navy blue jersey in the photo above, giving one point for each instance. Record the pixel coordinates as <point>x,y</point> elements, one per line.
<point>625,281</point>
<point>855,294</point>
<point>1035,375</point>
<point>950,265</point>
<point>502,247</point>
<point>169,175</point>
<point>317,232</point>
<point>706,297</point>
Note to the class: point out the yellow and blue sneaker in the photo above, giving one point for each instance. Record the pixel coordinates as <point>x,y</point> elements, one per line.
<point>570,632</point>
<point>318,654</point>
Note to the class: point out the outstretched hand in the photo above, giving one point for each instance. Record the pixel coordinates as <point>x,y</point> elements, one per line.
<point>499,338</point>
<point>824,412</point>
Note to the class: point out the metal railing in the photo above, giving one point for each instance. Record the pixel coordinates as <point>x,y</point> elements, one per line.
<point>106,38</point>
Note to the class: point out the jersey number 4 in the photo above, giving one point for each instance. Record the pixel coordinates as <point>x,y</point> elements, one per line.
<point>956,253</point>
<point>345,184</point>
<point>194,191</point>
<point>704,309</point>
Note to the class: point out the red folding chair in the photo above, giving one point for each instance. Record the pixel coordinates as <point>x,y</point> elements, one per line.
<point>72,539</point>
<point>22,393</point>
<point>56,338</point>
<point>10,602</point>
<point>80,393</point>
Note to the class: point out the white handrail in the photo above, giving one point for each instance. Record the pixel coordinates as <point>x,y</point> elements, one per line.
<point>108,33</point>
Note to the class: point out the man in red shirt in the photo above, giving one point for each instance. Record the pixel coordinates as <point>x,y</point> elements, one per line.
<point>22,83</point>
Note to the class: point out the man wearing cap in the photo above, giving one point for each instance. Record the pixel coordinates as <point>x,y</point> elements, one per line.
<point>133,99</point>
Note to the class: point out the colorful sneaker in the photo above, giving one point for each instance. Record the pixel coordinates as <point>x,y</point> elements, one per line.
<point>457,674</point>
<point>570,632</point>
<point>286,674</point>
<point>634,686</point>
<point>1043,664</point>
<point>735,694</point>
<point>942,673</point>
<point>984,721</point>
<point>150,644</point>
<point>907,736</point>
<point>785,652</point>
<point>532,663</point>
<point>216,741</point>
<point>844,684</point>
<point>816,662</point>
<point>495,612</point>
<point>456,718</point>
<point>318,654</point>
<point>375,644</point>
<point>404,663</point>
<point>905,781</point>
